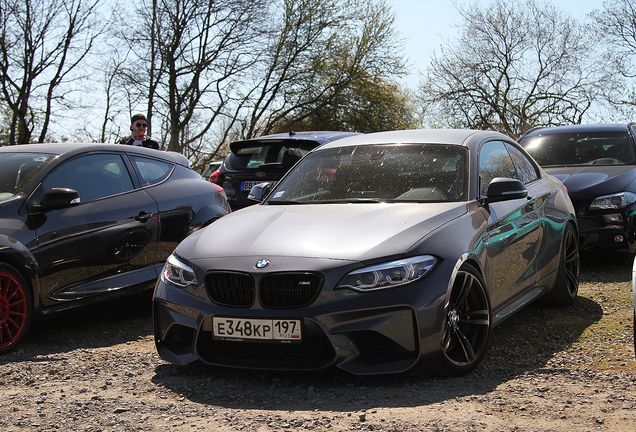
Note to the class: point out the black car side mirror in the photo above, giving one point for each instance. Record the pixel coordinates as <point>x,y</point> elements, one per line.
<point>58,198</point>
<point>260,191</point>
<point>504,189</point>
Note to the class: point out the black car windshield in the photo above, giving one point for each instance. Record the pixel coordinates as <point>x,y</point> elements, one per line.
<point>17,170</point>
<point>590,148</point>
<point>378,173</point>
<point>274,155</point>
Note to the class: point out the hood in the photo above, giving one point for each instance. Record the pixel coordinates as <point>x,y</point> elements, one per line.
<point>356,232</point>
<point>594,180</point>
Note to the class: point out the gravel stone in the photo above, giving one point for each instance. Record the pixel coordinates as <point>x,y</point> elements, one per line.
<point>547,370</point>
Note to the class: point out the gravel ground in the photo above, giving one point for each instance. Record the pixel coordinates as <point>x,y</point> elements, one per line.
<point>547,369</point>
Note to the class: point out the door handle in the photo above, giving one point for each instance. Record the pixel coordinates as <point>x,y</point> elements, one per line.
<point>144,216</point>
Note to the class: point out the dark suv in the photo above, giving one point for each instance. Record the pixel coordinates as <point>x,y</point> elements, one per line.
<point>265,159</point>
<point>597,164</point>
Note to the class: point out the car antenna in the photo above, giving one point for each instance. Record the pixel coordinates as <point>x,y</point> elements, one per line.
<point>291,132</point>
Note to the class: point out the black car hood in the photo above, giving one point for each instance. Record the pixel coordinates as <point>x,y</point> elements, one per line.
<point>594,180</point>
<point>357,232</point>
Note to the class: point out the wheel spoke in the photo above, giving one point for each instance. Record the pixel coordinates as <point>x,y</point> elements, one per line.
<point>476,317</point>
<point>447,339</point>
<point>465,290</point>
<point>464,343</point>
<point>16,313</point>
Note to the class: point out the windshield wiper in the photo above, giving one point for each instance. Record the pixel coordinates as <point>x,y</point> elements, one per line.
<point>271,165</point>
<point>346,201</point>
<point>331,201</point>
<point>285,202</point>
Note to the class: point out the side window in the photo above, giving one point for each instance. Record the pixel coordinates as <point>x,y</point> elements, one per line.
<point>525,169</point>
<point>94,176</point>
<point>494,161</point>
<point>151,171</point>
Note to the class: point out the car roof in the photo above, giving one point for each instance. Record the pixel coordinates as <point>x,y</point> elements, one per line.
<point>578,128</point>
<point>319,137</point>
<point>463,137</point>
<point>70,149</point>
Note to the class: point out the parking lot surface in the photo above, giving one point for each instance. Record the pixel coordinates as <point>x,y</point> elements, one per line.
<point>547,369</point>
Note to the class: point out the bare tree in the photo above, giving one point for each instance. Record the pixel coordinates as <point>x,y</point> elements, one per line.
<point>616,25</point>
<point>515,65</point>
<point>42,42</point>
<point>189,61</point>
<point>322,55</point>
<point>232,69</point>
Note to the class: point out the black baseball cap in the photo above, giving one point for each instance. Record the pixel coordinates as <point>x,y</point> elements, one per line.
<point>137,117</point>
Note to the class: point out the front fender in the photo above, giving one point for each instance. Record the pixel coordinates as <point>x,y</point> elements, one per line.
<point>17,255</point>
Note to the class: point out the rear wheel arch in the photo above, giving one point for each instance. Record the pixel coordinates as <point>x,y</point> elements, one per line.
<point>205,217</point>
<point>566,284</point>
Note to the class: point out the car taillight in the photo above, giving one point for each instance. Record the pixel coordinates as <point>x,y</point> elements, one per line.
<point>214,177</point>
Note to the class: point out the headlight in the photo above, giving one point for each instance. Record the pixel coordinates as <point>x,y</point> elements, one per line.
<point>177,273</point>
<point>388,275</point>
<point>614,201</point>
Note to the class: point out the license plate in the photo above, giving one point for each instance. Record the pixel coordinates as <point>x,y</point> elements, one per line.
<point>247,185</point>
<point>279,330</point>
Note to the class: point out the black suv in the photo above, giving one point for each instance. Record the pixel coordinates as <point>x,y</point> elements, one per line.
<point>265,159</point>
<point>597,164</point>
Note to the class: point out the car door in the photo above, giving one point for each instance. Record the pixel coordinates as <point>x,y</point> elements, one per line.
<point>515,227</point>
<point>174,212</point>
<point>105,243</point>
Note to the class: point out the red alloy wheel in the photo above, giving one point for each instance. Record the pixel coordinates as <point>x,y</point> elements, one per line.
<point>13,309</point>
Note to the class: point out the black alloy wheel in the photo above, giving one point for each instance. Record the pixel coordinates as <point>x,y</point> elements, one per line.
<point>566,286</point>
<point>467,327</point>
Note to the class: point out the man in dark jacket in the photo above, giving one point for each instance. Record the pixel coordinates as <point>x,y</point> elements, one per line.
<point>138,125</point>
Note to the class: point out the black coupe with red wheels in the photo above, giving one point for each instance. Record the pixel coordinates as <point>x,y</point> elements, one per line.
<point>81,223</point>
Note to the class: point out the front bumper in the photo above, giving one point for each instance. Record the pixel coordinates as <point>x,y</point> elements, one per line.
<point>601,231</point>
<point>387,331</point>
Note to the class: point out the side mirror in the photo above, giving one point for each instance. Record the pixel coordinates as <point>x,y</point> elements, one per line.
<point>505,189</point>
<point>260,191</point>
<point>58,198</point>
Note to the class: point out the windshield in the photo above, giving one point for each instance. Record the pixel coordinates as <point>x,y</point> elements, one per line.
<point>378,173</point>
<point>17,170</point>
<point>590,148</point>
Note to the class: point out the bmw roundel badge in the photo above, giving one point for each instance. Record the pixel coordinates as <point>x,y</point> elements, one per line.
<point>262,264</point>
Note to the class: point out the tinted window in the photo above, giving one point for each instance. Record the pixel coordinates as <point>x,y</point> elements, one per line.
<point>384,172</point>
<point>494,161</point>
<point>17,170</point>
<point>272,155</point>
<point>93,176</point>
<point>589,148</point>
<point>526,171</point>
<point>151,171</point>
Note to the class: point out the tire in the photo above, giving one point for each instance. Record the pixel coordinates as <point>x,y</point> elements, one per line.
<point>15,308</point>
<point>566,286</point>
<point>467,326</point>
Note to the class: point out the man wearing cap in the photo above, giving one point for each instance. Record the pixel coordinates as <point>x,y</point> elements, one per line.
<point>138,136</point>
